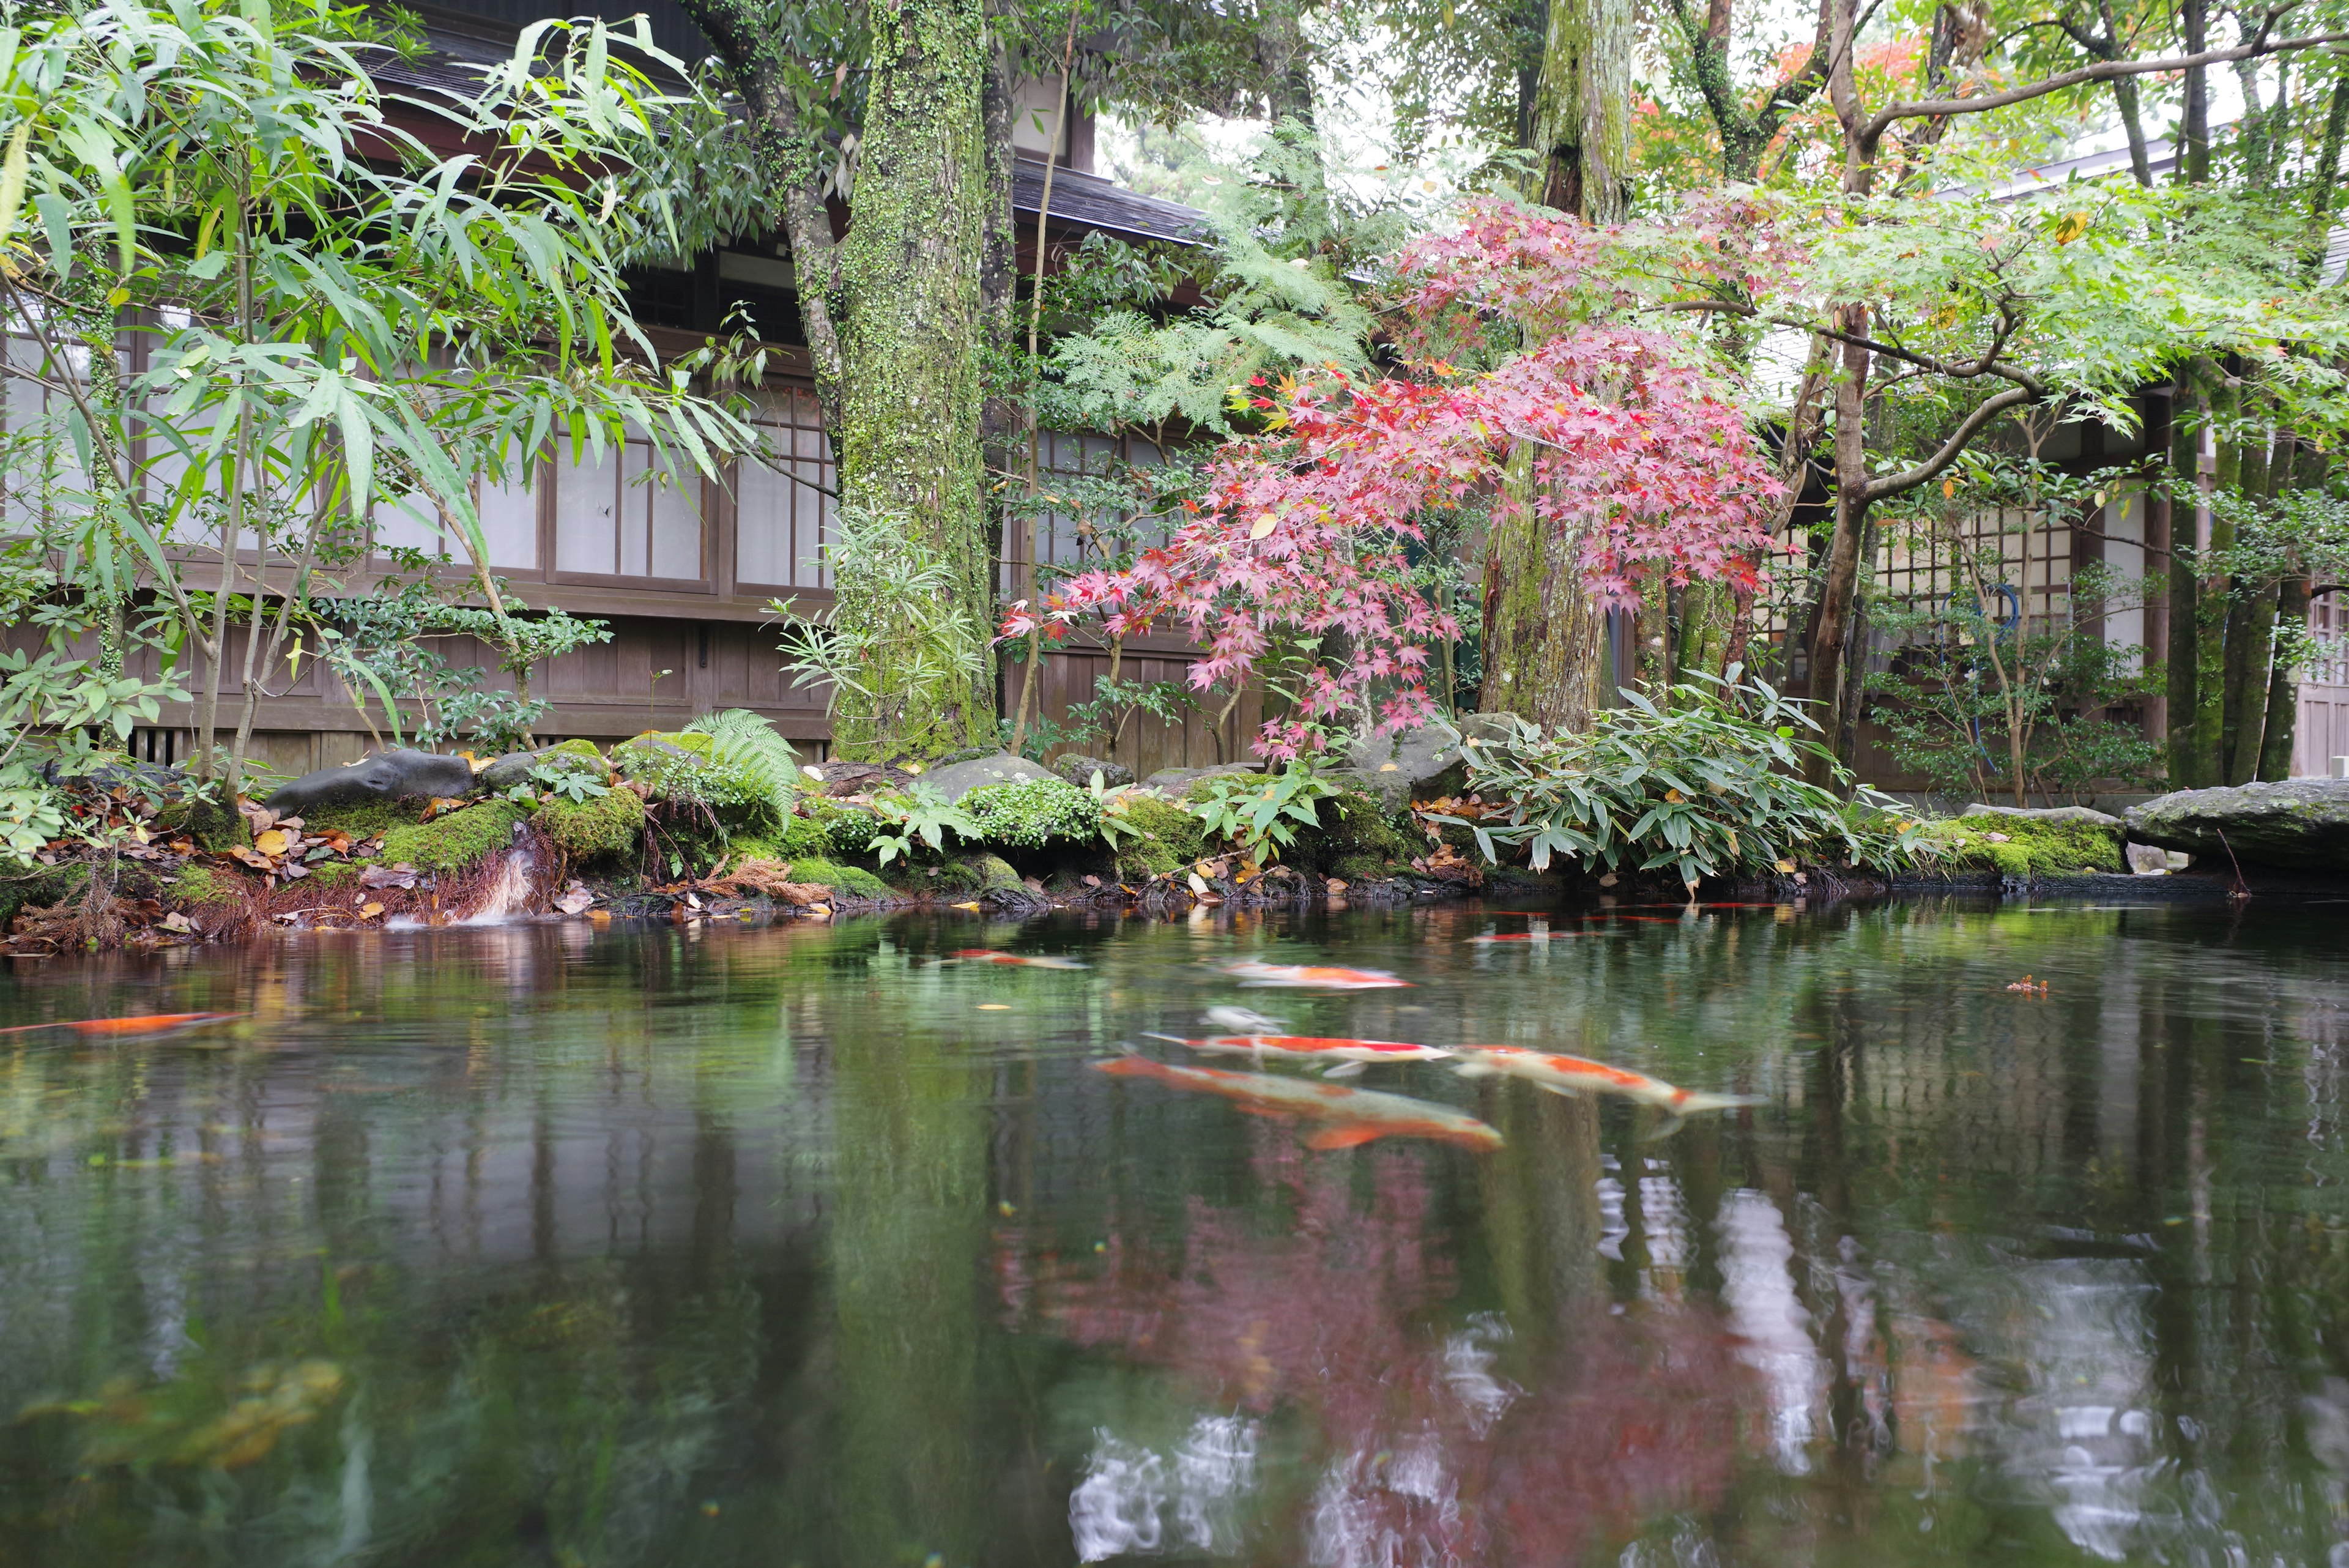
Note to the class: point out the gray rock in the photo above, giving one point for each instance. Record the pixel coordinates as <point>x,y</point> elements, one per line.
<point>2044,813</point>
<point>513,768</point>
<point>1409,763</point>
<point>2147,860</point>
<point>401,775</point>
<point>956,779</point>
<point>1173,782</point>
<point>2302,825</point>
<point>1079,770</point>
<point>855,778</point>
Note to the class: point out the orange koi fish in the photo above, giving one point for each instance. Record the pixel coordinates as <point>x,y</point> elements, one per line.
<point>2029,986</point>
<point>1344,1057</point>
<point>1312,977</point>
<point>147,1023</point>
<point>1353,1116</point>
<point>1021,961</point>
<point>1572,1076</point>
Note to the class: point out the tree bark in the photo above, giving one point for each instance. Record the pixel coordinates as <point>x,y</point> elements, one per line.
<point>913,318</point>
<point>2284,689</point>
<point>1830,623</point>
<point>2183,653</point>
<point>2212,603</point>
<point>1545,645</point>
<point>1582,110</point>
<point>2194,132</point>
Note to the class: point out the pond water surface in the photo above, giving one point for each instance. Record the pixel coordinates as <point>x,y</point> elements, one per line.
<point>541,1244</point>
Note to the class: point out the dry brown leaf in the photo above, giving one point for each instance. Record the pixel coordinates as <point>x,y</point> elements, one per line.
<point>370,909</point>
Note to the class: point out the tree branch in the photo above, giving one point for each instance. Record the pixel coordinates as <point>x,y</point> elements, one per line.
<point>2104,70</point>
<point>1970,427</point>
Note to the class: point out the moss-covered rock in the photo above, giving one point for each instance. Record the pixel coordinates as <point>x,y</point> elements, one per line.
<point>993,874</point>
<point>45,886</point>
<point>456,840</point>
<point>680,770</point>
<point>851,881</point>
<point>1033,813</point>
<point>2027,848</point>
<point>1169,837</point>
<point>364,818</point>
<point>603,827</point>
<point>1353,827</point>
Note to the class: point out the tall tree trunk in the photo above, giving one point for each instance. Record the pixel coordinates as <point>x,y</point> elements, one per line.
<point>1830,623</point>
<point>910,284</point>
<point>1545,642</point>
<point>2283,723</point>
<point>2327,174</point>
<point>2194,132</point>
<point>2212,604</point>
<point>2184,654</point>
<point>1582,110</point>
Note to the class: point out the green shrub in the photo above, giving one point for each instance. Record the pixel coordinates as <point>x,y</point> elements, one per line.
<point>1034,811</point>
<point>1706,785</point>
<point>455,841</point>
<point>602,828</point>
<point>685,768</point>
<point>1261,815</point>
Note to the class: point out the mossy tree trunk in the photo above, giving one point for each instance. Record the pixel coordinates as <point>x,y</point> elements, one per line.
<point>896,314</point>
<point>1545,644</point>
<point>914,319</point>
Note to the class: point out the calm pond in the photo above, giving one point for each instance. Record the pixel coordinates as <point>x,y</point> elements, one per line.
<point>541,1244</point>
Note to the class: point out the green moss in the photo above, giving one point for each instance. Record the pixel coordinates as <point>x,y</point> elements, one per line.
<point>1353,828</point>
<point>1170,837</point>
<point>849,879</point>
<point>1361,868</point>
<point>1034,811</point>
<point>364,818</point>
<point>603,827</point>
<point>993,873</point>
<point>49,885</point>
<point>584,750</point>
<point>335,874</point>
<point>801,836</point>
<point>455,841</point>
<point>1201,788</point>
<point>831,830</point>
<point>678,768</point>
<point>2034,846</point>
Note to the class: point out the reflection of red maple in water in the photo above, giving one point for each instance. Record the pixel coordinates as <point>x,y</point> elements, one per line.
<point>1428,1455</point>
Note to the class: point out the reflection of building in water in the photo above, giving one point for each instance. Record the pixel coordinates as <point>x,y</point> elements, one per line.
<point>2085,1433</point>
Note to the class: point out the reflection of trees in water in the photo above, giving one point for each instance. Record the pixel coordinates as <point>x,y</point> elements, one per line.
<point>1318,1310</point>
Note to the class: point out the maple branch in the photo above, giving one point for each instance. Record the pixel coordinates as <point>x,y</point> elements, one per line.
<point>1872,133</point>
<point>1986,365</point>
<point>1960,439</point>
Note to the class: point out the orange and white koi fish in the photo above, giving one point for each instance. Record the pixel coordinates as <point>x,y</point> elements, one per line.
<point>2029,986</point>
<point>1020,960</point>
<point>1343,1058</point>
<point>1579,1075</point>
<point>1353,1117</point>
<point>147,1023</point>
<point>1312,977</point>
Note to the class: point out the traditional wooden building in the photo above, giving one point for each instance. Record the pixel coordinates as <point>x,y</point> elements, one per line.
<point>685,572</point>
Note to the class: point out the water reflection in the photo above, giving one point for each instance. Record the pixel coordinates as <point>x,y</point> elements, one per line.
<point>532,1244</point>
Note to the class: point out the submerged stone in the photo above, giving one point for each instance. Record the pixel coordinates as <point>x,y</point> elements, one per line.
<point>2300,825</point>
<point>400,774</point>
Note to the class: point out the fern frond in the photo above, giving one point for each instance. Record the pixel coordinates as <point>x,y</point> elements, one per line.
<point>741,739</point>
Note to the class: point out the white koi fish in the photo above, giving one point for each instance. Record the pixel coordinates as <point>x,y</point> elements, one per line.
<point>1562,1075</point>
<point>1312,977</point>
<point>1342,1058</point>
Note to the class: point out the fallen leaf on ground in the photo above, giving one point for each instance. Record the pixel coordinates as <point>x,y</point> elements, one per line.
<point>400,876</point>
<point>370,909</point>
<point>574,901</point>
